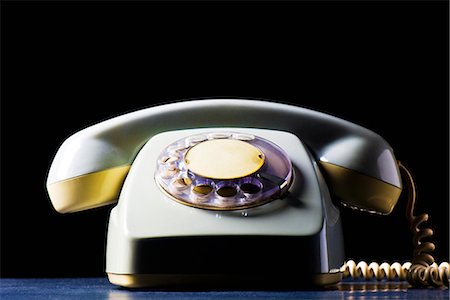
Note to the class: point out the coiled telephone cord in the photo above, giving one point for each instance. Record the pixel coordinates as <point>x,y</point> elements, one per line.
<point>422,271</point>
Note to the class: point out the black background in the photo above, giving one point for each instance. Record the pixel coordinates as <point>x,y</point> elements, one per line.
<point>65,66</point>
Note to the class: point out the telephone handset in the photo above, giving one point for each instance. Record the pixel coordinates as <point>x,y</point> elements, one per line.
<point>224,178</point>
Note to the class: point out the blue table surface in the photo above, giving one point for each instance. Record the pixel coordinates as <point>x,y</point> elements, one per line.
<point>100,288</point>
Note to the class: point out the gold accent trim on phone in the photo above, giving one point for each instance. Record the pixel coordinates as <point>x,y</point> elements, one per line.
<point>360,191</point>
<point>211,280</point>
<point>88,191</point>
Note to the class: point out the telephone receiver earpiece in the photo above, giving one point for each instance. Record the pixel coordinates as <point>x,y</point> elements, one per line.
<point>90,166</point>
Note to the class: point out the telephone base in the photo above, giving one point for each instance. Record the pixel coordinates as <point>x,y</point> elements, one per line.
<point>157,242</point>
<point>208,281</point>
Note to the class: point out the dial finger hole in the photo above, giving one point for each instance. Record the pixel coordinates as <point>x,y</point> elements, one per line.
<point>181,183</point>
<point>202,189</point>
<point>243,136</point>
<point>219,135</point>
<point>226,190</point>
<point>168,160</point>
<point>226,194</point>
<point>193,140</point>
<point>169,173</point>
<point>251,186</point>
<point>201,193</point>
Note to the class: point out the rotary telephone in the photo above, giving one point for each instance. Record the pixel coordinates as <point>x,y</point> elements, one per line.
<point>228,190</point>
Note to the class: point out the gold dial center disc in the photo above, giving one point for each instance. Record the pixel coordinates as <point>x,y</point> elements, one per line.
<point>224,159</point>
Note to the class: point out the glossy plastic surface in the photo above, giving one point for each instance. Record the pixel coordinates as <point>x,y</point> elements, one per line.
<point>116,142</point>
